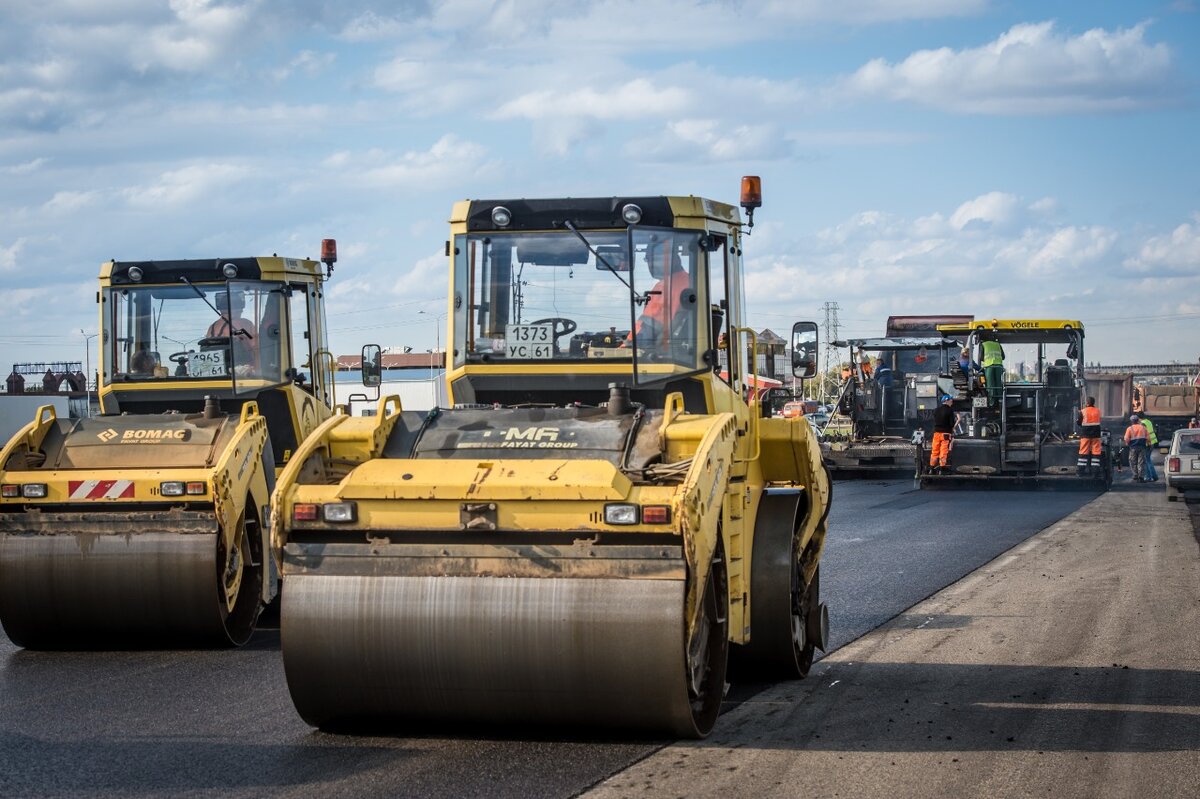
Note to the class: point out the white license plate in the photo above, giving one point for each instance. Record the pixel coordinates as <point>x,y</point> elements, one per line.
<point>529,342</point>
<point>207,364</point>
<point>1196,464</point>
<point>979,402</point>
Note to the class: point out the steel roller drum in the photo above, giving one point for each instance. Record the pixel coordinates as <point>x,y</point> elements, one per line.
<point>511,650</point>
<point>83,590</point>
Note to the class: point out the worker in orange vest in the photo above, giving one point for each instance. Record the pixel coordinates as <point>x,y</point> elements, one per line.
<point>1137,438</point>
<point>1088,464</point>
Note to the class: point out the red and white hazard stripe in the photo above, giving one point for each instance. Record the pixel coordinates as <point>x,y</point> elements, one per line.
<point>101,489</point>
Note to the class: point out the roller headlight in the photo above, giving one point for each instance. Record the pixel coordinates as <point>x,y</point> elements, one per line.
<point>620,513</point>
<point>33,490</point>
<point>501,216</point>
<point>339,512</point>
<point>229,271</point>
<point>631,213</point>
<point>135,273</point>
<point>171,488</point>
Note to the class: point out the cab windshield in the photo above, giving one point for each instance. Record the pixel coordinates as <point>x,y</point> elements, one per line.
<point>555,297</point>
<point>225,331</point>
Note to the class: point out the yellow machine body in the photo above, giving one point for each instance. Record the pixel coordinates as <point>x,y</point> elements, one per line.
<point>148,524</point>
<point>558,547</point>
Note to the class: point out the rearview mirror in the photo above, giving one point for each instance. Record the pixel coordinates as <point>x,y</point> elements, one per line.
<point>372,365</point>
<point>613,256</point>
<point>804,350</point>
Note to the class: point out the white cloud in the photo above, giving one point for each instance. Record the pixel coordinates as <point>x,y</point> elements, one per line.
<point>995,208</point>
<point>634,99</point>
<point>187,185</point>
<point>1030,69</point>
<point>66,202</point>
<point>1177,251</point>
<point>25,168</point>
<point>448,161</point>
<point>8,255</point>
<point>870,11</point>
<point>306,62</point>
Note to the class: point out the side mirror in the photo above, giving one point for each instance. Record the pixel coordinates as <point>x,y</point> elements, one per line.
<point>804,350</point>
<point>372,365</point>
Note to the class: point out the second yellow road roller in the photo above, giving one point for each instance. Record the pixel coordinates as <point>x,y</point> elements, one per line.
<point>147,525</point>
<point>601,521</point>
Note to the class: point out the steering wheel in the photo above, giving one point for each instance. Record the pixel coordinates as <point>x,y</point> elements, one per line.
<point>179,357</point>
<point>568,326</point>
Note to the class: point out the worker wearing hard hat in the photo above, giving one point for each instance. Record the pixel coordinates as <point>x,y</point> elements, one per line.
<point>1136,438</point>
<point>1089,440</point>
<point>993,369</point>
<point>944,420</point>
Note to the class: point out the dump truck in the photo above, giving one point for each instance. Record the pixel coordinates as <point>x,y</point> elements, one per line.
<point>598,525</point>
<point>148,524</point>
<point>1023,432</point>
<point>1169,406</point>
<point>888,422</point>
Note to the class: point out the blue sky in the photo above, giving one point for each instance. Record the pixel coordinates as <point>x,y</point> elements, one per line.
<point>918,156</point>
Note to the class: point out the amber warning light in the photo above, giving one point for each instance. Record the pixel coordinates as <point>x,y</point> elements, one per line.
<point>751,197</point>
<point>329,251</point>
<point>751,192</point>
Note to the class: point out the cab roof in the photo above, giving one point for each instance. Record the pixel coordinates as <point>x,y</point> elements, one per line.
<point>590,213</point>
<point>896,343</point>
<point>1020,331</point>
<point>210,270</point>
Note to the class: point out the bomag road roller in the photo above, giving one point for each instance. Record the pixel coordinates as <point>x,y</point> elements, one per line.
<point>147,525</point>
<point>1017,420</point>
<point>597,523</point>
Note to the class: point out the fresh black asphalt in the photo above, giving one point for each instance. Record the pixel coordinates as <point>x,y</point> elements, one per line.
<point>184,723</point>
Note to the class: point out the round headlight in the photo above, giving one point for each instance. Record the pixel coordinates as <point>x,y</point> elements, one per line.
<point>501,216</point>
<point>135,273</point>
<point>631,214</point>
<point>229,271</point>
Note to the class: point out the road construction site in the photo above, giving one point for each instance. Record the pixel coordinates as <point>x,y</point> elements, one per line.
<point>997,643</point>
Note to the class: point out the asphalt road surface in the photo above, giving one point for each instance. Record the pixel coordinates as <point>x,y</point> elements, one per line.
<point>188,723</point>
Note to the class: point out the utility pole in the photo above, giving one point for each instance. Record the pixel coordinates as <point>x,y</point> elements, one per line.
<point>829,358</point>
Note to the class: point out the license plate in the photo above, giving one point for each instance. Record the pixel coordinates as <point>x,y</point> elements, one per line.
<point>979,402</point>
<point>529,342</point>
<point>207,364</point>
<point>1196,464</point>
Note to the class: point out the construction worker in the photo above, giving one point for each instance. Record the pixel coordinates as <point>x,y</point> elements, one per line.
<point>864,366</point>
<point>665,309</point>
<point>993,369</point>
<point>1151,443</point>
<point>1088,463</point>
<point>944,420</point>
<point>883,373</point>
<point>1135,439</point>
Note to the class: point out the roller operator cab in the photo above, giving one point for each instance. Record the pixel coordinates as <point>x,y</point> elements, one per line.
<point>1018,418</point>
<point>148,524</point>
<point>599,521</point>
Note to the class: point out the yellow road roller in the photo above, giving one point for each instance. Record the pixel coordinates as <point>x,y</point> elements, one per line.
<point>147,525</point>
<point>602,520</point>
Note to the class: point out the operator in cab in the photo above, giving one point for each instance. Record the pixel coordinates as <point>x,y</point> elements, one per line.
<point>662,315</point>
<point>240,331</point>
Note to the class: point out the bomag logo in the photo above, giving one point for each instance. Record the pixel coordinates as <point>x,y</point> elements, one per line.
<point>535,438</point>
<point>108,435</point>
<point>152,436</point>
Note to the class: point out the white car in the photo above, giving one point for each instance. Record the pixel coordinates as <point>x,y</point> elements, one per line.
<point>1183,465</point>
